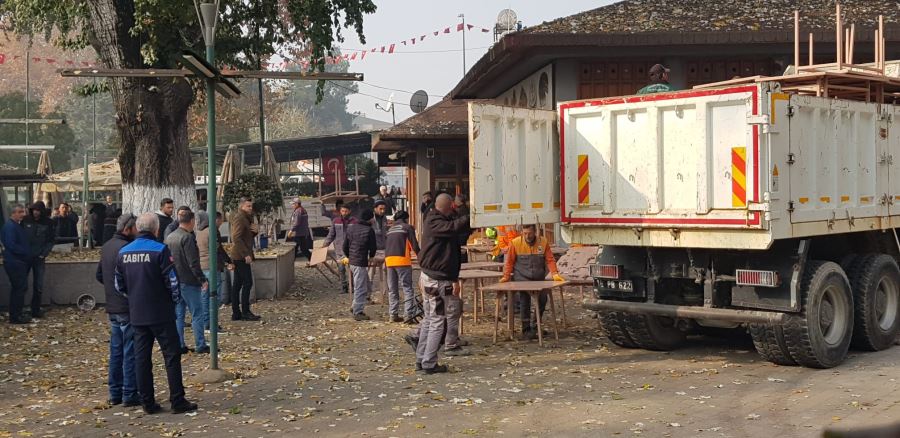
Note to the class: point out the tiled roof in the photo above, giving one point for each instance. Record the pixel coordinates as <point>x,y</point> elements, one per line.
<point>650,16</point>
<point>445,118</point>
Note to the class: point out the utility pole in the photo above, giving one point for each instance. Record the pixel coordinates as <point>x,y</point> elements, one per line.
<point>463,16</point>
<point>208,14</point>
<point>27,93</point>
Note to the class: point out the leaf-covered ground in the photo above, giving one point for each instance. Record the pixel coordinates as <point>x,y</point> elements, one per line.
<point>308,368</point>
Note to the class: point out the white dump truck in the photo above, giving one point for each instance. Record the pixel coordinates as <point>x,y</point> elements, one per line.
<point>734,206</point>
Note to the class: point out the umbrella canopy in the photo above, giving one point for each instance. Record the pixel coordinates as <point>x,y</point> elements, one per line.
<point>231,168</point>
<point>270,166</point>
<point>102,177</point>
<point>40,193</point>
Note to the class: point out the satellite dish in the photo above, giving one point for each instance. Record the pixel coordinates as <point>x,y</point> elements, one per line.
<point>419,101</point>
<point>507,19</point>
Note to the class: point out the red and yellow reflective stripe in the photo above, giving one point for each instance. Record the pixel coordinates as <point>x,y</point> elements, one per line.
<point>584,189</point>
<point>738,177</point>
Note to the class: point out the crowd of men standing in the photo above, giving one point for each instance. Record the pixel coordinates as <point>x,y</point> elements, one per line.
<point>155,268</point>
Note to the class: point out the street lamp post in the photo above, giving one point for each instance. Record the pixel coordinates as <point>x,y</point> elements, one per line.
<point>207,13</point>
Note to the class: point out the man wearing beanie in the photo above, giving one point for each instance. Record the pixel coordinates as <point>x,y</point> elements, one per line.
<point>399,245</point>
<point>359,247</point>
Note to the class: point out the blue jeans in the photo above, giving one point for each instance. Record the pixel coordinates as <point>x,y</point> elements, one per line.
<point>191,300</point>
<point>122,383</point>
<point>204,296</point>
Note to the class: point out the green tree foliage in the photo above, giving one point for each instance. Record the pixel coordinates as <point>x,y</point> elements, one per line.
<point>369,174</point>
<point>12,106</point>
<point>265,193</point>
<point>152,113</point>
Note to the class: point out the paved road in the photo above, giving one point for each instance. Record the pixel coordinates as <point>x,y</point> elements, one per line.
<point>310,368</point>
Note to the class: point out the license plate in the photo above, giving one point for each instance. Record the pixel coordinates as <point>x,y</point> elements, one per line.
<point>622,285</point>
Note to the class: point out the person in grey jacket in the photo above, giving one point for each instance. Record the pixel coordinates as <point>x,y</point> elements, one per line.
<point>336,234</point>
<point>186,256</point>
<point>41,237</point>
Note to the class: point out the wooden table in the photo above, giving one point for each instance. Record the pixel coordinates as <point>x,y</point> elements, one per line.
<point>493,266</point>
<point>478,276</point>
<point>533,288</point>
<point>479,250</point>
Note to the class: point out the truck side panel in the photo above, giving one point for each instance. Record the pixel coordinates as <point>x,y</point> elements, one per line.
<point>680,160</point>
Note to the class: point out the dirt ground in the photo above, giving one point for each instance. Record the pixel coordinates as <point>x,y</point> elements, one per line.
<point>308,368</point>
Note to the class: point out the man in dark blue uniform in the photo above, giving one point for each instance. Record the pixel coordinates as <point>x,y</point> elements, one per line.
<point>146,274</point>
<point>16,261</point>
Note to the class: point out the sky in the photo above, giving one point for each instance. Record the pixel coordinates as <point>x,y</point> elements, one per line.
<point>434,64</point>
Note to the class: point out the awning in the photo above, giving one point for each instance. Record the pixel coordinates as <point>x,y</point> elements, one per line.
<point>102,177</point>
<point>303,148</point>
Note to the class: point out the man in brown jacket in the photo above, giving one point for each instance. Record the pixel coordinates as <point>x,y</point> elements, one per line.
<point>243,231</point>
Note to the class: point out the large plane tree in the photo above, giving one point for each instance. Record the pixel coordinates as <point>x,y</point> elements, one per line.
<point>152,113</point>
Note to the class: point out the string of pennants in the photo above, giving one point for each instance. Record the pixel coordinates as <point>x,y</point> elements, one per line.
<point>387,49</point>
<point>7,57</point>
<point>351,56</point>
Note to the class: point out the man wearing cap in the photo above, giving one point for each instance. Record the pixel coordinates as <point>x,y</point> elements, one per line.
<point>659,81</point>
<point>336,234</point>
<point>122,383</point>
<point>384,195</point>
<point>299,230</point>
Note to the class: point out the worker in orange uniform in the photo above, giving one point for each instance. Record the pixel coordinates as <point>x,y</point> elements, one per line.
<point>529,259</point>
<point>505,235</point>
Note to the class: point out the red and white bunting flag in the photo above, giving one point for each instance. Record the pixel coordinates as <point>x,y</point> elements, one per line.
<point>413,40</point>
<point>447,30</point>
<point>423,37</point>
<point>70,62</point>
<point>363,56</point>
<point>382,49</point>
<point>403,42</point>
<point>459,27</point>
<point>391,50</point>
<point>50,60</point>
<point>485,30</point>
<point>436,32</point>
<point>35,59</point>
<point>469,26</point>
<point>353,57</point>
<point>2,58</point>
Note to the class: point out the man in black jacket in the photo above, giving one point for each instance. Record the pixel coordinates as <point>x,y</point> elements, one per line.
<point>66,224</point>
<point>164,215</point>
<point>359,247</point>
<point>122,386</point>
<point>440,263</point>
<point>41,237</point>
<point>146,275</point>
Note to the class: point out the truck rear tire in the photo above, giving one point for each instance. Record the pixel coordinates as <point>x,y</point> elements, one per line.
<point>819,336</point>
<point>615,327</point>
<point>769,342</point>
<point>875,282</point>
<point>652,332</point>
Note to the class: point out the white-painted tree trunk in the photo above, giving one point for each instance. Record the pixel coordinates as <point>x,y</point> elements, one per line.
<point>139,199</point>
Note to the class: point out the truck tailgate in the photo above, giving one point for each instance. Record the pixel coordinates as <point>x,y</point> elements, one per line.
<point>674,160</point>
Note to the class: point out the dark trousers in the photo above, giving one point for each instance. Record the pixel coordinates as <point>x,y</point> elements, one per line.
<point>240,290</point>
<point>37,283</point>
<point>304,244</point>
<point>525,307</point>
<point>18,281</point>
<point>167,336</point>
